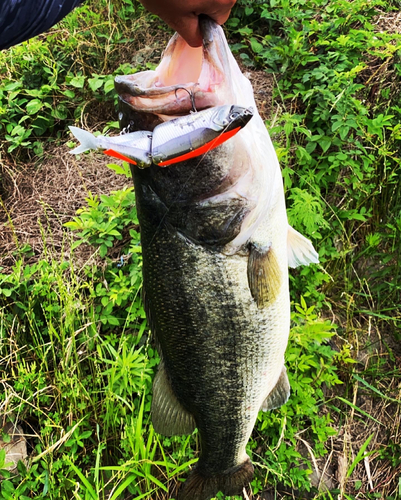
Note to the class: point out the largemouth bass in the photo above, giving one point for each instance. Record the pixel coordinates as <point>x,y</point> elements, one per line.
<point>216,250</point>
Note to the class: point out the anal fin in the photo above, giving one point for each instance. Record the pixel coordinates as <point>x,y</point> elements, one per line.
<point>264,274</point>
<point>280,394</point>
<point>169,417</point>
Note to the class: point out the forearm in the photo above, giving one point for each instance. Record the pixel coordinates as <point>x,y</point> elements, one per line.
<point>23,19</point>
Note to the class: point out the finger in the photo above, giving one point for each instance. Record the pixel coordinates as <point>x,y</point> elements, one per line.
<point>218,11</point>
<point>188,28</point>
<point>220,18</point>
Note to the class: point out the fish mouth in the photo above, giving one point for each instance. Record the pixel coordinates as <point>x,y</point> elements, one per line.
<point>187,79</point>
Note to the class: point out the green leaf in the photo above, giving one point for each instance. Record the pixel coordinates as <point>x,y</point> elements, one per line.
<point>60,112</point>
<point>325,143</point>
<point>256,46</point>
<point>359,410</point>
<point>288,128</point>
<point>95,83</point>
<point>103,250</point>
<point>85,434</point>
<point>310,147</point>
<point>109,86</point>
<point>344,132</point>
<point>6,474</point>
<point>2,457</point>
<point>84,480</point>
<point>123,169</point>
<point>6,437</point>
<point>112,320</point>
<point>360,379</point>
<point>78,82</point>
<point>13,86</point>
<point>69,93</point>
<point>7,486</point>
<point>336,125</point>
<point>21,467</point>
<point>34,106</point>
<point>360,456</point>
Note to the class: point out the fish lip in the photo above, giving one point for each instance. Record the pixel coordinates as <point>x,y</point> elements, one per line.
<point>149,99</point>
<point>207,27</point>
<point>125,84</point>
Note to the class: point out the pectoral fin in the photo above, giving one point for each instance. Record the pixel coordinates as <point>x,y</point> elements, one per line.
<point>264,274</point>
<point>169,417</point>
<point>280,394</point>
<point>300,250</point>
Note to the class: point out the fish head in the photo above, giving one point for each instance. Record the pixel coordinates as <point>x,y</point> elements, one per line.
<point>242,175</point>
<point>187,79</point>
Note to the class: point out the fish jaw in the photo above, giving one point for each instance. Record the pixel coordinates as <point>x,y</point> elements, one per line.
<point>186,77</point>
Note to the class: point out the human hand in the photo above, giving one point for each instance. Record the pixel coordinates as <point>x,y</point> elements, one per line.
<point>182,15</point>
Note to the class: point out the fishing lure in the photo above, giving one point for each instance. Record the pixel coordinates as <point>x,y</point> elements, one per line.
<point>172,141</point>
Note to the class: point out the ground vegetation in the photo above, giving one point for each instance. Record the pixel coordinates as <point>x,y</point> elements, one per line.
<point>76,357</point>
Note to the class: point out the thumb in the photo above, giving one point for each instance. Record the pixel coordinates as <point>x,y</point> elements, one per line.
<point>188,27</point>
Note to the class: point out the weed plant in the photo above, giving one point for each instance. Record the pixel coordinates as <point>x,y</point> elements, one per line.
<point>51,80</point>
<point>339,136</point>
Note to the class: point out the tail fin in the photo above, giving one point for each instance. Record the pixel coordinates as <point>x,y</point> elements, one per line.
<point>199,486</point>
<point>87,140</point>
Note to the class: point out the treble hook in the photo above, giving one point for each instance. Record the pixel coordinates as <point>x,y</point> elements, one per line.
<point>191,95</point>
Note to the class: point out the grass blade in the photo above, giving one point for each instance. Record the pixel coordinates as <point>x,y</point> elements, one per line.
<point>360,456</point>
<point>359,410</point>
<point>360,379</point>
<point>122,486</point>
<point>85,481</point>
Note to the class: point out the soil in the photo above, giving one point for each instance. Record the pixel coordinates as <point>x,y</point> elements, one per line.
<point>389,22</point>
<point>39,198</point>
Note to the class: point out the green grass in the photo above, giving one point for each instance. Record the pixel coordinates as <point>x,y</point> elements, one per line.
<point>76,358</point>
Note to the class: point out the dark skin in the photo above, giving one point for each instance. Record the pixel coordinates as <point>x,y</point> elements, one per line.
<point>182,15</point>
